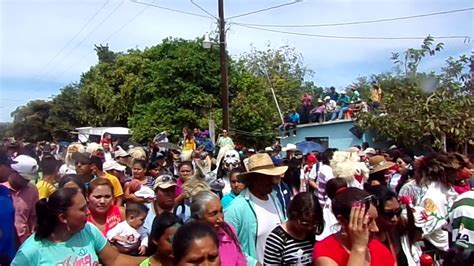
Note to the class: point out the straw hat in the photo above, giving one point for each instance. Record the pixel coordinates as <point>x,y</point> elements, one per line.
<point>378,163</point>
<point>261,163</point>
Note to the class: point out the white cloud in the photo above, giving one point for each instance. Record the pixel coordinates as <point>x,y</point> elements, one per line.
<point>33,32</point>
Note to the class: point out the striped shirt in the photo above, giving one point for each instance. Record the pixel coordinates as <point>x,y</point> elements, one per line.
<point>322,177</point>
<point>461,219</point>
<point>283,249</point>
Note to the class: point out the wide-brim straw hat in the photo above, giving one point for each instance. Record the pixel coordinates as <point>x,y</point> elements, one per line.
<point>378,163</point>
<point>261,163</point>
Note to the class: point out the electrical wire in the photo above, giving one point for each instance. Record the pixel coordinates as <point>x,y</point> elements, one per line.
<point>466,38</point>
<point>109,37</point>
<point>203,10</point>
<point>359,22</point>
<point>265,9</point>
<point>95,28</point>
<point>73,38</point>
<point>171,9</point>
<point>128,22</point>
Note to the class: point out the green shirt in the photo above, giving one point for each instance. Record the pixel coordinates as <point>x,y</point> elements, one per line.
<point>81,249</point>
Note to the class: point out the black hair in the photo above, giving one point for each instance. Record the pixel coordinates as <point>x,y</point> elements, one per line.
<point>50,166</point>
<point>306,203</point>
<point>142,163</point>
<point>383,194</point>
<point>377,176</point>
<point>326,157</point>
<point>333,186</point>
<point>152,165</point>
<point>342,202</point>
<point>188,163</point>
<point>97,162</point>
<point>189,232</point>
<point>73,178</point>
<point>407,159</point>
<point>160,224</point>
<point>393,153</point>
<point>135,209</point>
<point>47,211</point>
<point>236,170</point>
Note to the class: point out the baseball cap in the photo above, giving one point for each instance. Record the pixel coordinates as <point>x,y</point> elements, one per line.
<point>164,182</point>
<point>26,167</point>
<point>113,165</point>
<point>82,157</point>
<point>121,153</point>
<point>5,159</point>
<point>370,151</point>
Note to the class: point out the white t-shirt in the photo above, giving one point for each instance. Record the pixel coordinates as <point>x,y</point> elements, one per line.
<point>268,219</point>
<point>135,237</point>
<point>227,188</point>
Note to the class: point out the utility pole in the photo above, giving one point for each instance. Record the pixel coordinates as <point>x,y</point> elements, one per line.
<point>224,70</point>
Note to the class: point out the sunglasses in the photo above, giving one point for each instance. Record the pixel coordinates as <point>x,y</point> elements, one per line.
<point>371,199</point>
<point>167,178</point>
<point>390,214</point>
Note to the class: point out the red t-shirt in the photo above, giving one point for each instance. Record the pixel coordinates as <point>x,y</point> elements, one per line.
<point>331,248</point>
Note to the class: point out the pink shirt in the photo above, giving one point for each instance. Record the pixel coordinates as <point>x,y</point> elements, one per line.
<point>229,250</point>
<point>24,201</point>
<point>307,100</point>
<point>179,187</point>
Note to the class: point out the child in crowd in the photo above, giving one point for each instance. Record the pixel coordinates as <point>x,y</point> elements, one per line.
<point>141,191</point>
<point>129,236</point>
<point>235,185</point>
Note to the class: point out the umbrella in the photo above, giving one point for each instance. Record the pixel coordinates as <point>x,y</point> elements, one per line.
<point>308,146</point>
<point>168,145</point>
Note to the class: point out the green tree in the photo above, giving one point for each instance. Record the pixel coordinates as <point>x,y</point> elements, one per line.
<point>423,109</point>
<point>29,121</point>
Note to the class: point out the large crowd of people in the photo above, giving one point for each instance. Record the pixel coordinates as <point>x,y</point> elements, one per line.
<point>203,204</point>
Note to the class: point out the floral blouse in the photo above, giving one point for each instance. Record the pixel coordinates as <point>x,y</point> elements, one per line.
<point>436,200</point>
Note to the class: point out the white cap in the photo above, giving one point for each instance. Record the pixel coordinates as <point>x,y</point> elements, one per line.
<point>120,153</point>
<point>268,149</point>
<point>289,147</point>
<point>26,167</point>
<point>370,151</point>
<point>327,98</point>
<point>113,165</point>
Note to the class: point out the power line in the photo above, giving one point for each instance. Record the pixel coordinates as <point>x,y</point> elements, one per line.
<point>265,9</point>
<point>203,10</point>
<point>171,9</point>
<point>75,36</point>
<point>95,28</point>
<point>110,36</point>
<point>352,37</point>
<point>128,22</point>
<point>359,22</point>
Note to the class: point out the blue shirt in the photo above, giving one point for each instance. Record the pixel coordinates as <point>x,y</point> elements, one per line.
<point>294,118</point>
<point>283,193</point>
<point>7,224</point>
<point>344,100</point>
<point>227,199</point>
<point>81,249</point>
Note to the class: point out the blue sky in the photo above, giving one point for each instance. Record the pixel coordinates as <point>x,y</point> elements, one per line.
<point>33,32</point>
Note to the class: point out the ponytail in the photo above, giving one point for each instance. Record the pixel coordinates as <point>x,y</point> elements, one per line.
<point>47,211</point>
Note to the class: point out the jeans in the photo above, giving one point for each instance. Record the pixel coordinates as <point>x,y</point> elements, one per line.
<point>334,114</point>
<point>342,111</point>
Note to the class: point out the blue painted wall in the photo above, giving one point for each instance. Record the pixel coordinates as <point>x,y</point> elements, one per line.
<point>336,131</point>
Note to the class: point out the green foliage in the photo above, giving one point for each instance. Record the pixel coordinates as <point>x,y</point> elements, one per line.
<point>30,123</point>
<point>421,109</point>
